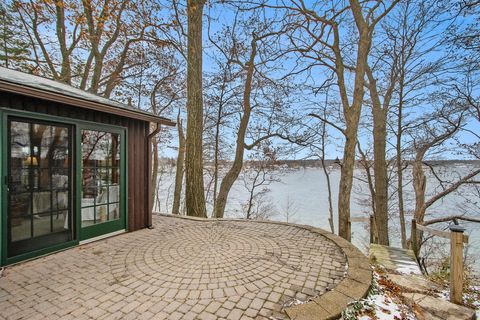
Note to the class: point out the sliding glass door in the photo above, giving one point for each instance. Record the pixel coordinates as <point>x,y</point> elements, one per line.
<point>64,182</point>
<point>39,185</point>
<point>102,181</point>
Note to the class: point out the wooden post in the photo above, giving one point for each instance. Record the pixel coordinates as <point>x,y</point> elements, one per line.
<point>349,230</point>
<point>372,239</point>
<point>413,238</point>
<point>456,264</point>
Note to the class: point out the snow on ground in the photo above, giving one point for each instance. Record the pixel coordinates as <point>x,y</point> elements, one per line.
<point>385,308</point>
<point>382,303</point>
<point>408,268</point>
<point>471,298</point>
<point>476,299</point>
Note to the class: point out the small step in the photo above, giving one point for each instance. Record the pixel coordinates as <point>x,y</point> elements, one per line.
<point>440,309</point>
<point>401,260</point>
<point>418,292</point>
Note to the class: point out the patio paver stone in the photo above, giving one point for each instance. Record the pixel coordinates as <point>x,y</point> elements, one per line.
<point>181,269</point>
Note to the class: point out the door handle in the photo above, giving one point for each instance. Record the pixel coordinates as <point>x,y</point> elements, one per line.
<point>7,183</point>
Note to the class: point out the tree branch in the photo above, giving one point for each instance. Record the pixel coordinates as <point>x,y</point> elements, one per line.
<point>452,188</point>
<point>450,218</point>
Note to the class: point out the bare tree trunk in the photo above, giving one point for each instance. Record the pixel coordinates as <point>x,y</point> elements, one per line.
<point>157,196</point>
<point>5,38</point>
<point>367,166</point>
<point>420,180</point>
<point>250,202</point>
<point>401,210</point>
<point>177,194</point>
<point>419,185</point>
<point>216,160</point>
<point>346,181</point>
<point>65,71</point>
<point>381,176</point>
<point>329,190</point>
<point>323,137</point>
<point>351,111</point>
<point>194,188</point>
<point>217,152</point>
<point>154,169</point>
<point>234,171</point>
<point>379,113</point>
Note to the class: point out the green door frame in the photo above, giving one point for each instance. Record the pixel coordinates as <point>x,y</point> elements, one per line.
<point>110,226</point>
<point>79,234</point>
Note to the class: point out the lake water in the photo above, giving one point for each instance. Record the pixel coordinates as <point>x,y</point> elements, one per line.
<point>306,191</point>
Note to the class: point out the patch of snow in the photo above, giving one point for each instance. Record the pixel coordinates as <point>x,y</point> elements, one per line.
<point>380,304</point>
<point>292,302</point>
<point>408,268</point>
<point>384,308</point>
<point>477,303</point>
<point>445,294</point>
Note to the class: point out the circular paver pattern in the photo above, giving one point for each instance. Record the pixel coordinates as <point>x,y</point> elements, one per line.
<point>192,269</point>
<point>193,260</point>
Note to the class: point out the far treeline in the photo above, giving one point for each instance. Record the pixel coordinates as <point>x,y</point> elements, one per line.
<point>329,163</point>
<point>389,85</point>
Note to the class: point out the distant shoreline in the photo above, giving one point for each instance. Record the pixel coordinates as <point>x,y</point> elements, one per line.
<point>311,163</point>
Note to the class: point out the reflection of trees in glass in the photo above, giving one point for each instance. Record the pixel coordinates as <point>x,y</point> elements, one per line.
<point>115,158</point>
<point>90,140</point>
<point>40,149</point>
<point>38,173</point>
<point>100,159</point>
<point>52,151</point>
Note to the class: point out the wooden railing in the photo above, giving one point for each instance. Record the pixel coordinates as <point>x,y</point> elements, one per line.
<point>457,239</point>
<point>371,221</point>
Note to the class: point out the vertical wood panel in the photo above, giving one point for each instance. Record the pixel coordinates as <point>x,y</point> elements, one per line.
<point>148,176</point>
<point>138,178</point>
<point>146,163</point>
<point>129,173</point>
<point>139,175</point>
<point>131,177</point>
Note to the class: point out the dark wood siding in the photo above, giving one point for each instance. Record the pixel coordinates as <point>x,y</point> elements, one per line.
<point>137,148</point>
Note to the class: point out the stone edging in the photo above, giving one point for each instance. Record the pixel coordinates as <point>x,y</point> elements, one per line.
<point>329,305</point>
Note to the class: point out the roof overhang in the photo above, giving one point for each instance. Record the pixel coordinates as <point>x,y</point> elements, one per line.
<point>83,103</point>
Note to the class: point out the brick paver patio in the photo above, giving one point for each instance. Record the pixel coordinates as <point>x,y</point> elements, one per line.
<point>182,269</point>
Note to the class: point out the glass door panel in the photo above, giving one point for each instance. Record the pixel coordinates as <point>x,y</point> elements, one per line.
<point>39,185</point>
<point>101,182</point>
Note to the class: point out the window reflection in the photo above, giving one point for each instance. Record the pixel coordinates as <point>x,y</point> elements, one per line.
<point>39,180</point>
<point>100,176</point>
